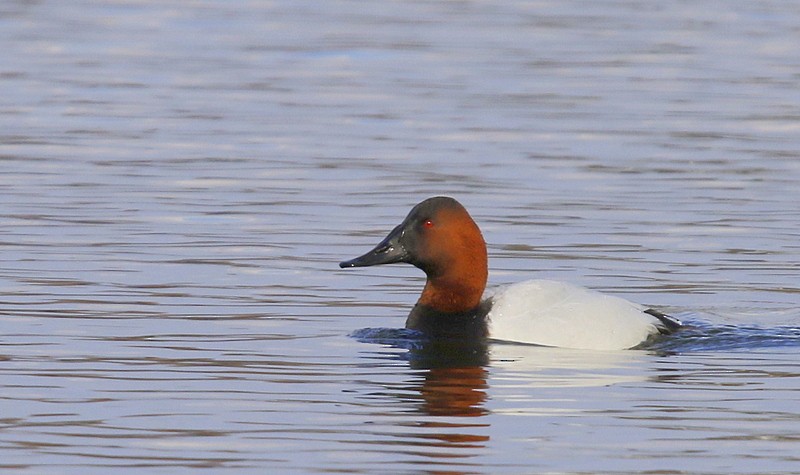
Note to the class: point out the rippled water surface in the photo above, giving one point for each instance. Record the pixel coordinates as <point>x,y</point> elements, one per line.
<point>180,179</point>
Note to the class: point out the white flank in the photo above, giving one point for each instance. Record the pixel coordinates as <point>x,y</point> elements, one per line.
<point>550,313</point>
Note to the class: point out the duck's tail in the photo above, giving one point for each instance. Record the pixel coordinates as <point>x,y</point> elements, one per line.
<point>670,324</point>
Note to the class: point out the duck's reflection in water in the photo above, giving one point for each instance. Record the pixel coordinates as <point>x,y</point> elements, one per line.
<point>448,389</point>
<point>453,387</point>
<point>455,381</point>
<point>455,392</point>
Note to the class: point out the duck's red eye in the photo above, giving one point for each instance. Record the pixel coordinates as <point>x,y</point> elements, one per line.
<point>428,223</point>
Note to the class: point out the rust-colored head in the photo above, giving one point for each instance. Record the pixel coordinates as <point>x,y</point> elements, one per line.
<point>439,237</point>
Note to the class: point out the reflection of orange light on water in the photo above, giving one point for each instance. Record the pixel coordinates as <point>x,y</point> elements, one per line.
<point>463,440</point>
<point>455,391</point>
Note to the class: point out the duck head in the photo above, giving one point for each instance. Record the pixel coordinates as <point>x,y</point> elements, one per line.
<point>439,237</point>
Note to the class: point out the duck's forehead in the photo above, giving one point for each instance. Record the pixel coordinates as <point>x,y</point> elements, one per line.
<point>436,206</point>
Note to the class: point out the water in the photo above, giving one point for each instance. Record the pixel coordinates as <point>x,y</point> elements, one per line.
<point>179,181</point>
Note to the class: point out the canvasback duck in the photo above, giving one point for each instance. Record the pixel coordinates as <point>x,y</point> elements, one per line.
<point>440,237</point>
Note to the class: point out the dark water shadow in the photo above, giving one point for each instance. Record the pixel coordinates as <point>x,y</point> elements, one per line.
<point>426,353</point>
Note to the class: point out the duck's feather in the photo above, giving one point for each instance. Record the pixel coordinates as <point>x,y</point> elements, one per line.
<point>559,314</point>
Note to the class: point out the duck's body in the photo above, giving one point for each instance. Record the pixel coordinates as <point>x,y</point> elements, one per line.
<point>439,237</point>
<point>552,313</point>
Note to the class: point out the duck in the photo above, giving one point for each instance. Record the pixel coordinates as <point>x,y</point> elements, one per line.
<point>440,238</point>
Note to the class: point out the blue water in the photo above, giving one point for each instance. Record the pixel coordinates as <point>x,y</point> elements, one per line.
<point>179,181</point>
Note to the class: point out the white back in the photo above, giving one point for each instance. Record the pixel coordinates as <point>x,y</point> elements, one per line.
<point>559,314</point>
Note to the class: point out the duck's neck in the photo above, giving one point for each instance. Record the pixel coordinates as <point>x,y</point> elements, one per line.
<point>450,304</point>
<point>450,294</point>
